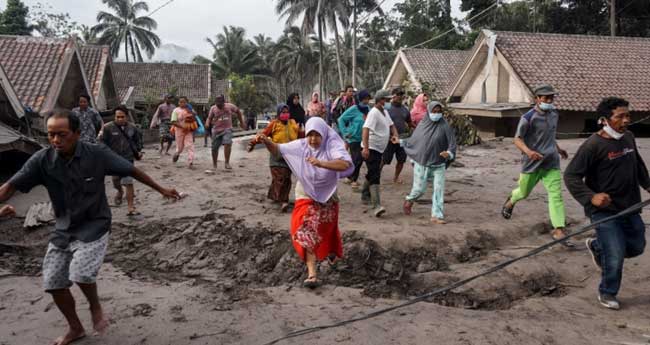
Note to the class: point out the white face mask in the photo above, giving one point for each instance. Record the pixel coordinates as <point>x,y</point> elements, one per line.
<point>435,117</point>
<point>612,132</point>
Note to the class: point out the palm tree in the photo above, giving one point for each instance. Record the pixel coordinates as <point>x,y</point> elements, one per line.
<point>125,27</point>
<point>233,53</point>
<point>294,60</point>
<point>87,34</point>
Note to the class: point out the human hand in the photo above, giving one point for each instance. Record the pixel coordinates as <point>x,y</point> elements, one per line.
<point>7,211</point>
<point>313,161</point>
<point>563,153</point>
<point>601,200</point>
<point>365,153</point>
<point>534,155</point>
<point>394,139</point>
<point>170,193</point>
<point>445,154</point>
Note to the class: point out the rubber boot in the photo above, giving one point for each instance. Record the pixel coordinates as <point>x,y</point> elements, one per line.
<point>365,193</point>
<point>375,201</point>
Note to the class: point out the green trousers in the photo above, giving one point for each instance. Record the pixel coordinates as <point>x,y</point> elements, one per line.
<point>552,180</point>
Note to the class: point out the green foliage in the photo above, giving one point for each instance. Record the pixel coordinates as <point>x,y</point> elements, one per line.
<point>233,53</point>
<point>245,95</point>
<point>125,27</point>
<point>13,21</point>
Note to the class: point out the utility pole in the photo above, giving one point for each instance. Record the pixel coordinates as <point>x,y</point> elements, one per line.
<point>612,17</point>
<point>354,44</point>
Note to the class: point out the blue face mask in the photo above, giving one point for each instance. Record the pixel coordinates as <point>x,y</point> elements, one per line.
<point>435,117</point>
<point>546,106</point>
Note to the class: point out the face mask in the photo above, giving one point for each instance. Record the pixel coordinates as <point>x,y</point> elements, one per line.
<point>284,117</point>
<point>546,106</point>
<point>435,117</point>
<point>612,132</point>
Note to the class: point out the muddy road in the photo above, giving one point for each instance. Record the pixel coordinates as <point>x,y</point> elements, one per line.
<point>218,267</point>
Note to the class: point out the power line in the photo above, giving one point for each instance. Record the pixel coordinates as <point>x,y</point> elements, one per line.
<point>370,13</point>
<point>438,36</point>
<point>159,8</point>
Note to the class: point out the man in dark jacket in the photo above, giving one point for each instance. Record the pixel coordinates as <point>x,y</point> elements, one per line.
<point>124,139</point>
<point>604,177</point>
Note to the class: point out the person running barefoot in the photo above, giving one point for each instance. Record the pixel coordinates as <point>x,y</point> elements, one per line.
<point>185,124</point>
<point>319,161</point>
<point>73,173</point>
<point>220,120</point>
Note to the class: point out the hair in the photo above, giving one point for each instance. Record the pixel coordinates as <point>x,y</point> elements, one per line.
<point>73,120</point>
<point>83,95</point>
<point>121,108</point>
<point>349,87</point>
<point>185,98</point>
<point>610,103</point>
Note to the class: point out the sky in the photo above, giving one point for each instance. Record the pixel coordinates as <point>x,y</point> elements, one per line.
<point>187,23</point>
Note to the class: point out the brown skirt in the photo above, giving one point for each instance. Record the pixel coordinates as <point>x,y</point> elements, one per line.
<point>280,184</point>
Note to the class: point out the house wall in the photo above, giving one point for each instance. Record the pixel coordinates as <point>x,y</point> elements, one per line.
<point>72,87</point>
<point>397,78</point>
<point>501,86</point>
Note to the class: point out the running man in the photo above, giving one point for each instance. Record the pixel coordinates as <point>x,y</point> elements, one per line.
<point>604,177</point>
<point>220,120</point>
<point>73,173</point>
<point>535,138</point>
<point>162,119</point>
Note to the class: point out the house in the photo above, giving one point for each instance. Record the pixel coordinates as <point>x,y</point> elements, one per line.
<point>495,84</point>
<point>46,74</point>
<point>98,65</point>
<point>152,81</point>
<point>426,69</point>
<point>12,142</point>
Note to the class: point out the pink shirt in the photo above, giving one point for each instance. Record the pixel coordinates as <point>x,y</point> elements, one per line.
<point>221,119</point>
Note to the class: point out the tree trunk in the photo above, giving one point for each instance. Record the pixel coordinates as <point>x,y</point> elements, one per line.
<point>126,48</point>
<point>354,44</point>
<point>320,55</point>
<point>338,53</point>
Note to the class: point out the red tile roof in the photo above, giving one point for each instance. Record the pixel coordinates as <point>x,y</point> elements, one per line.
<point>438,68</point>
<point>157,79</point>
<point>583,69</point>
<point>95,60</point>
<point>35,67</point>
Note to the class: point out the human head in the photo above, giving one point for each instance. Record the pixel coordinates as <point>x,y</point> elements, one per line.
<point>316,129</point>
<point>283,112</point>
<point>425,98</point>
<point>84,101</point>
<point>121,115</point>
<point>296,99</point>
<point>544,94</point>
<point>63,131</point>
<point>169,99</point>
<point>315,97</point>
<point>364,96</point>
<point>434,107</point>
<point>616,112</point>
<point>220,101</point>
<point>349,90</point>
<point>398,95</point>
<point>182,102</point>
<point>381,97</point>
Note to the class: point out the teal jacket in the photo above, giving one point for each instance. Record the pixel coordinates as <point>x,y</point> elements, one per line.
<point>351,125</point>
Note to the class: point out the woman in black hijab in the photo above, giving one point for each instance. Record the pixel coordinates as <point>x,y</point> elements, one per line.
<point>295,109</point>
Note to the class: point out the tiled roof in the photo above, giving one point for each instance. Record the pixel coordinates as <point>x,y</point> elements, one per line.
<point>33,65</point>
<point>439,68</point>
<point>11,139</point>
<point>157,79</point>
<point>95,59</point>
<point>583,69</point>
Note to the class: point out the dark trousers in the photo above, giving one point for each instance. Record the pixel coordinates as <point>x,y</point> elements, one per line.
<point>357,160</point>
<point>373,164</point>
<point>250,124</point>
<point>617,240</point>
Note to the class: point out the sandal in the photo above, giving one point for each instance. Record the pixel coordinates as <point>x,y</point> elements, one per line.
<point>133,213</point>
<point>560,233</point>
<point>506,211</point>
<point>311,283</point>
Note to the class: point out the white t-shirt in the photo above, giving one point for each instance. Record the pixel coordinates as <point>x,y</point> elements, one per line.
<point>379,125</point>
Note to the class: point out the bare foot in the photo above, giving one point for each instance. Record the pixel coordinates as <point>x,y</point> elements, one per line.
<point>285,207</point>
<point>70,337</point>
<point>398,182</point>
<point>228,167</point>
<point>435,220</point>
<point>100,322</point>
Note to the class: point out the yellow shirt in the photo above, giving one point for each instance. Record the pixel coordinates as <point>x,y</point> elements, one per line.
<point>282,133</point>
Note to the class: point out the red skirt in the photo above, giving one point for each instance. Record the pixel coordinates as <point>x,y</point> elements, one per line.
<point>315,227</point>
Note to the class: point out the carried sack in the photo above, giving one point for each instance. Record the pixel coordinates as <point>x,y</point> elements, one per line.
<point>190,124</point>
<point>136,153</point>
